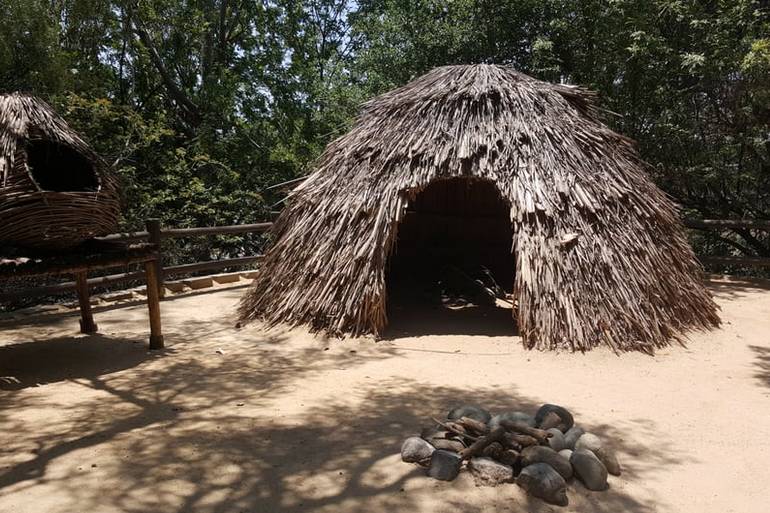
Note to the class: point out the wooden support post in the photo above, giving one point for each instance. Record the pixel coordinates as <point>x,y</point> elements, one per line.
<point>87,324</point>
<point>153,303</point>
<point>154,237</point>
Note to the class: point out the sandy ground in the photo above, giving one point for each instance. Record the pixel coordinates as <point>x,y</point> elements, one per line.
<point>284,421</point>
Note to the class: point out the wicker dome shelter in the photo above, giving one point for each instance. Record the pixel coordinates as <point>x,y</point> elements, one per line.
<point>55,192</point>
<point>599,253</point>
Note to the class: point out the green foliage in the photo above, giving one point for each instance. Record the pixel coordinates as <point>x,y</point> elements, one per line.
<point>30,56</point>
<point>690,80</point>
<point>203,104</point>
<point>164,175</point>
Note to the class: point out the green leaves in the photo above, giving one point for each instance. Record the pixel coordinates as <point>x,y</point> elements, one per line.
<point>692,62</point>
<point>30,57</point>
<point>756,62</point>
<point>202,104</point>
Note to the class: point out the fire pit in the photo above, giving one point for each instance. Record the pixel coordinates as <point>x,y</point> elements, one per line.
<point>540,453</point>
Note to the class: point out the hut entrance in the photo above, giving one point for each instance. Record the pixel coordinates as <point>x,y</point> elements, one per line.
<point>453,257</point>
<point>59,168</point>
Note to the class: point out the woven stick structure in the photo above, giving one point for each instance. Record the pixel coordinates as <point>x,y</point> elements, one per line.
<point>600,254</point>
<point>55,192</point>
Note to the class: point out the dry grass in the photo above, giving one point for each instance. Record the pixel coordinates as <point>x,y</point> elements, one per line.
<point>601,257</point>
<point>32,216</point>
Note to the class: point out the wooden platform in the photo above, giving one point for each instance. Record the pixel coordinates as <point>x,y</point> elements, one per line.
<point>89,257</point>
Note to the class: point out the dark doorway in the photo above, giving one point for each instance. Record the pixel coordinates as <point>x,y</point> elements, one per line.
<point>59,168</point>
<point>455,226</point>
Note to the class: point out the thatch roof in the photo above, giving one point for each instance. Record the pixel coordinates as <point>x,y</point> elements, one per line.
<point>54,189</point>
<point>601,257</point>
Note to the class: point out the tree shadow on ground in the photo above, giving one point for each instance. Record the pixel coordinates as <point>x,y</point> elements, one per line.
<point>762,364</point>
<point>200,438</point>
<point>201,430</point>
<point>736,288</point>
<point>110,404</point>
<point>40,362</point>
<point>342,458</point>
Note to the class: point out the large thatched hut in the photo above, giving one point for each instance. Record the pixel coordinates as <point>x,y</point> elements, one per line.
<point>597,250</point>
<point>55,192</point>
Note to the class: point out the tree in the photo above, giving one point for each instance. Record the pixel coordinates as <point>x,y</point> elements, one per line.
<point>214,100</point>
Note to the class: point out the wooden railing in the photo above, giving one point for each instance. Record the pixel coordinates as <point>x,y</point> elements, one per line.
<point>716,224</point>
<point>155,234</point>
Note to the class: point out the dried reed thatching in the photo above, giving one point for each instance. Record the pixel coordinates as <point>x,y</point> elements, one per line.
<point>54,190</point>
<point>601,257</point>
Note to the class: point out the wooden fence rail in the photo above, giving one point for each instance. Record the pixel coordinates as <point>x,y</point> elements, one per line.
<point>717,224</point>
<point>155,233</point>
<point>710,224</point>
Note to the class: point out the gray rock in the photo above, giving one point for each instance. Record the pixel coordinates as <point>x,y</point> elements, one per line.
<point>509,457</point>
<point>571,436</point>
<point>444,465</point>
<point>513,416</point>
<point>556,441</point>
<point>567,453</point>
<point>541,454</point>
<point>542,481</point>
<point>554,416</point>
<point>415,450</point>
<point>471,411</point>
<point>447,444</point>
<point>589,441</point>
<point>489,472</point>
<point>589,469</point>
<point>609,459</point>
<point>493,450</point>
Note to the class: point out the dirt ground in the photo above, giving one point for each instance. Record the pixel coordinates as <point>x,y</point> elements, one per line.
<point>248,420</point>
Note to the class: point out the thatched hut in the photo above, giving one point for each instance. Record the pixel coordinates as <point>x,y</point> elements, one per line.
<point>599,253</point>
<point>55,192</point>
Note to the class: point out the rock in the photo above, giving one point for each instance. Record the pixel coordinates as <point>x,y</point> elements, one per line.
<point>493,450</point>
<point>567,453</point>
<point>514,416</point>
<point>444,465</point>
<point>589,441</point>
<point>415,450</point>
<point>470,411</point>
<point>609,459</point>
<point>556,441</point>
<point>509,457</point>
<point>541,454</point>
<point>561,418</point>
<point>439,438</point>
<point>589,469</point>
<point>489,472</point>
<point>571,436</point>
<point>447,444</point>
<point>541,480</point>
<point>550,420</point>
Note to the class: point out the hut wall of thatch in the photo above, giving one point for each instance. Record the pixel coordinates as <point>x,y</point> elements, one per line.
<point>601,257</point>
<point>55,192</point>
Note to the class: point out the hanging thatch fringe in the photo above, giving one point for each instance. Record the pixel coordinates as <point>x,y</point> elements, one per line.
<point>33,215</point>
<point>601,255</point>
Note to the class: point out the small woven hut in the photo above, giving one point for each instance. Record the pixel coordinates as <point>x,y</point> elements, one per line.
<point>599,253</point>
<point>55,192</point>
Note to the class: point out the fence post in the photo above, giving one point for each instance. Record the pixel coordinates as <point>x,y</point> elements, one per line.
<point>153,230</point>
